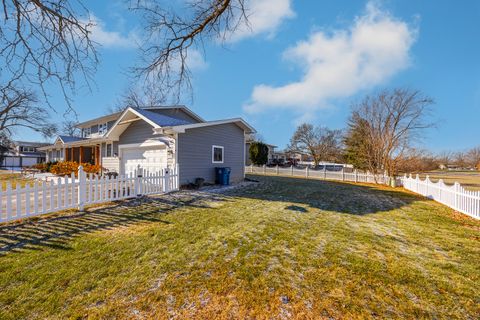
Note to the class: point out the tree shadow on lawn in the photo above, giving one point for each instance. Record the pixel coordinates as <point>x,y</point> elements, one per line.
<point>346,198</point>
<point>55,230</point>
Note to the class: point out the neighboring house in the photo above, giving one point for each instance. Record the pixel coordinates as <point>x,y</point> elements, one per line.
<point>156,138</point>
<point>23,154</point>
<point>271,152</point>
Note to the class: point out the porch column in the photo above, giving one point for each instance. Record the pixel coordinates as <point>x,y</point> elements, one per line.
<point>72,154</point>
<point>80,155</point>
<point>97,155</point>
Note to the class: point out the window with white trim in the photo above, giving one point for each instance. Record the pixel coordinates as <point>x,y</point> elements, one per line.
<point>217,154</point>
<point>102,128</point>
<point>86,132</point>
<point>109,150</point>
<point>27,149</point>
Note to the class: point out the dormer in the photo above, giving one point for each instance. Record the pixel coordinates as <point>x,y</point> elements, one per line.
<point>97,127</point>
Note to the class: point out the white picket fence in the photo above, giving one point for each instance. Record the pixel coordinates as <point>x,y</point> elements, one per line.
<point>77,192</point>
<point>453,196</point>
<point>355,176</point>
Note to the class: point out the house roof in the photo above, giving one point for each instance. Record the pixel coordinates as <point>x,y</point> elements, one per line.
<point>181,107</point>
<point>116,115</point>
<point>238,121</point>
<point>30,143</point>
<point>67,139</point>
<point>161,120</point>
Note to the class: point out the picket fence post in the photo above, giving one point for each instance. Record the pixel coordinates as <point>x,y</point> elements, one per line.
<point>306,171</point>
<point>456,189</point>
<point>427,179</point>
<point>291,169</point>
<point>343,173</point>
<point>82,188</point>
<point>138,181</point>
<point>324,171</point>
<point>167,180</point>
<point>264,169</point>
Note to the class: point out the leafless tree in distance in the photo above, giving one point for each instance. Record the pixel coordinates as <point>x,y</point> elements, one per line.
<point>320,143</point>
<point>19,108</point>
<point>391,122</point>
<point>69,128</point>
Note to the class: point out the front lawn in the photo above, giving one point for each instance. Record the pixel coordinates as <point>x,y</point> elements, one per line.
<point>14,178</point>
<point>284,248</point>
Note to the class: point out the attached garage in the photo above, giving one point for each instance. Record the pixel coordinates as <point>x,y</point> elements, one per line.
<point>151,159</point>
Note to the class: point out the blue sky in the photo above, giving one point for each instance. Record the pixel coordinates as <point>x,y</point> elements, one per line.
<point>308,60</point>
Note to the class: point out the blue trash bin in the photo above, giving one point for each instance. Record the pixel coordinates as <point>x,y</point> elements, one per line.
<point>226,176</point>
<point>222,175</point>
<point>219,175</point>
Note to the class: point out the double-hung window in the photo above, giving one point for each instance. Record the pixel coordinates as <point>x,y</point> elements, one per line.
<point>102,128</point>
<point>217,154</point>
<point>109,150</point>
<point>87,132</point>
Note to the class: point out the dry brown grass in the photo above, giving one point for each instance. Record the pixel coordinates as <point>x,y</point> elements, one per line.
<point>282,249</point>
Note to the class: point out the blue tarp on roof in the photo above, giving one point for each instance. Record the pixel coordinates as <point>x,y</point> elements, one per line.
<point>67,139</point>
<point>161,120</point>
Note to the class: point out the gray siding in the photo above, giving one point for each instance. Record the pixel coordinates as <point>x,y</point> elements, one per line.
<point>195,152</point>
<point>137,132</point>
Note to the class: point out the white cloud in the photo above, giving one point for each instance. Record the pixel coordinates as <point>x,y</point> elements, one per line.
<point>196,61</point>
<point>341,63</point>
<point>111,39</point>
<point>264,17</point>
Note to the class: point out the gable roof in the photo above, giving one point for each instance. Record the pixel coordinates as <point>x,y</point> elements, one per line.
<point>67,139</point>
<point>161,120</point>
<point>181,107</point>
<point>238,121</point>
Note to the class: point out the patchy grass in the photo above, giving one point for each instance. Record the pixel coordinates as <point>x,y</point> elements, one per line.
<point>469,179</point>
<point>283,248</point>
<point>14,179</point>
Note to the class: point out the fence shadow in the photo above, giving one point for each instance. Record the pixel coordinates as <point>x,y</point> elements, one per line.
<point>347,198</point>
<point>55,230</point>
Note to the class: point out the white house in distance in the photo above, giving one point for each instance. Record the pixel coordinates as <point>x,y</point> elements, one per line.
<point>155,138</point>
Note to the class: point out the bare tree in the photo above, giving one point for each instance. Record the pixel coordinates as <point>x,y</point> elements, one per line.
<point>473,157</point>
<point>69,128</point>
<point>417,160</point>
<point>172,34</point>
<point>46,41</point>
<point>19,109</point>
<point>320,143</point>
<point>392,121</point>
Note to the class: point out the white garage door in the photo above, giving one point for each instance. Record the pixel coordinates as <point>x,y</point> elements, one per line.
<point>151,159</point>
<point>26,162</point>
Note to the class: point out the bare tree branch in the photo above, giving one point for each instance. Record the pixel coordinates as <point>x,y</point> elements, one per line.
<point>170,36</point>
<point>19,109</point>
<point>45,42</point>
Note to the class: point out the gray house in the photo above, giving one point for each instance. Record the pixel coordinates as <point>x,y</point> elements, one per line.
<point>22,154</point>
<point>156,138</point>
